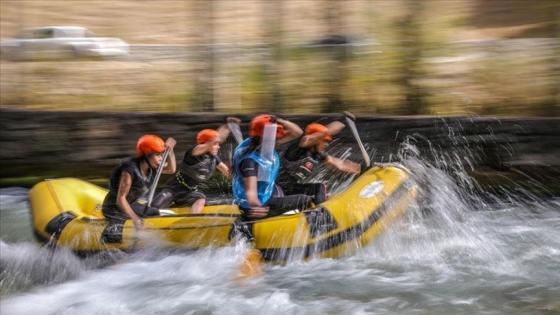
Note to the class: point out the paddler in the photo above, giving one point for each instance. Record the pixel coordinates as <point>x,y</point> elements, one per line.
<point>303,155</point>
<point>187,187</point>
<point>255,167</point>
<point>131,179</point>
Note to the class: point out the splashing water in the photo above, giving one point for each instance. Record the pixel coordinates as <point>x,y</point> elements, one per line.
<point>460,250</point>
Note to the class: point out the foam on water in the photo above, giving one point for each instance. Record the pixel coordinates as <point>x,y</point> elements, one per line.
<point>461,250</point>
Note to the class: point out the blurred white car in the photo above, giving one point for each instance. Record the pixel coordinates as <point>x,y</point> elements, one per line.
<point>61,42</point>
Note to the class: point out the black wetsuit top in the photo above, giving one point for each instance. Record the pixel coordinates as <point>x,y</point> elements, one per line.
<point>194,171</point>
<point>189,182</point>
<point>297,163</point>
<point>139,187</point>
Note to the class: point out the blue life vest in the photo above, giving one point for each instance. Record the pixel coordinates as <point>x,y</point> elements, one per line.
<point>265,186</point>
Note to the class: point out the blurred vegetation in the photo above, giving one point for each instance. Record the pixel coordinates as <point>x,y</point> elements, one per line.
<point>384,57</point>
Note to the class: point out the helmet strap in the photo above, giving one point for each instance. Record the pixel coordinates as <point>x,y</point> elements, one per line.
<point>146,158</point>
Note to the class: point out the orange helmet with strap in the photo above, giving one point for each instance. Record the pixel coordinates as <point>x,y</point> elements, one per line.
<point>258,123</point>
<point>149,144</point>
<point>316,128</point>
<point>206,135</point>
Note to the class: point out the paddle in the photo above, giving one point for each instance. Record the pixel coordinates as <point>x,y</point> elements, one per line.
<point>156,178</point>
<point>236,131</point>
<point>352,125</point>
<point>251,265</point>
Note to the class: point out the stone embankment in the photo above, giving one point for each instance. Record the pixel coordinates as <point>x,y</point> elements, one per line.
<point>89,144</point>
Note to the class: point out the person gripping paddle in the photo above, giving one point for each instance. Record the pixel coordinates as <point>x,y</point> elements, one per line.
<point>187,187</point>
<point>307,152</point>
<point>131,180</point>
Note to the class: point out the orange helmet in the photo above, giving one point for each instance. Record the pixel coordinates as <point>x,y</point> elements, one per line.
<point>258,123</point>
<point>149,144</point>
<point>206,135</point>
<point>315,128</point>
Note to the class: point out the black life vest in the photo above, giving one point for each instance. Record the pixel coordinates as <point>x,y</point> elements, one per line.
<point>200,171</point>
<point>139,186</point>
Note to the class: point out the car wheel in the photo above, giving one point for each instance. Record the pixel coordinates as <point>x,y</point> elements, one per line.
<point>71,52</point>
<point>76,52</point>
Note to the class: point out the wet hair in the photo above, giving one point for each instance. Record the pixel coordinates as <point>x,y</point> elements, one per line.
<point>254,144</point>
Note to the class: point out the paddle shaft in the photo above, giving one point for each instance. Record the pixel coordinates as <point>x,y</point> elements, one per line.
<point>156,178</point>
<point>352,125</point>
<point>236,131</point>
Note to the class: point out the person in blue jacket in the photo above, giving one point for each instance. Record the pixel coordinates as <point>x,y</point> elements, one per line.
<point>255,168</point>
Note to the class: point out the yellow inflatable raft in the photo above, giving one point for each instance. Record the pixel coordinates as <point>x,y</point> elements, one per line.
<point>67,213</point>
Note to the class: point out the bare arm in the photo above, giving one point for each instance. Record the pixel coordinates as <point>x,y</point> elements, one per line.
<point>251,191</point>
<point>335,127</point>
<point>171,164</point>
<point>224,130</point>
<point>122,203</point>
<point>257,211</point>
<point>332,129</point>
<point>312,139</point>
<point>222,167</point>
<point>202,148</point>
<point>342,165</point>
<point>292,132</point>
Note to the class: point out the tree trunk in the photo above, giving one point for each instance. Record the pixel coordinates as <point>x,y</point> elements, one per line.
<point>411,40</point>
<point>204,84</point>
<point>272,20</point>
<point>336,73</point>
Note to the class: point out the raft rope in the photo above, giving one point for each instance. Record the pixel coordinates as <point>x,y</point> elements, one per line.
<point>181,180</point>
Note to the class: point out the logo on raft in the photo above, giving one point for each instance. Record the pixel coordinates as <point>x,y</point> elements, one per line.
<point>371,189</point>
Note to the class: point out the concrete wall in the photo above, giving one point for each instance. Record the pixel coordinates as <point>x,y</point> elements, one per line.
<point>90,144</point>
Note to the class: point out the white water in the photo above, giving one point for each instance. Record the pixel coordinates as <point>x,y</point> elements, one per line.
<point>460,252</point>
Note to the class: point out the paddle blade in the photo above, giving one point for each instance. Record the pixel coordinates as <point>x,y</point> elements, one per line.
<point>235,131</point>
<point>352,125</point>
<point>251,265</point>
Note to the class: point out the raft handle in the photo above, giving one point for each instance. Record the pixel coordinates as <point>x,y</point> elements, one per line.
<point>58,223</point>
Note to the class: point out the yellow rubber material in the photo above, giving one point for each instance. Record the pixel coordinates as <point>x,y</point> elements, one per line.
<point>338,227</point>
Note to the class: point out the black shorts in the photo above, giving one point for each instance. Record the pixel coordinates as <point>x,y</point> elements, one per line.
<point>177,197</point>
<point>318,191</point>
<point>278,205</point>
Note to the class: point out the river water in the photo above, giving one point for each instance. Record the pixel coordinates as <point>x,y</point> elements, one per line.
<point>458,251</point>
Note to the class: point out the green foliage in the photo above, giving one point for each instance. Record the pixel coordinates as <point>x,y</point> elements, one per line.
<point>420,50</point>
